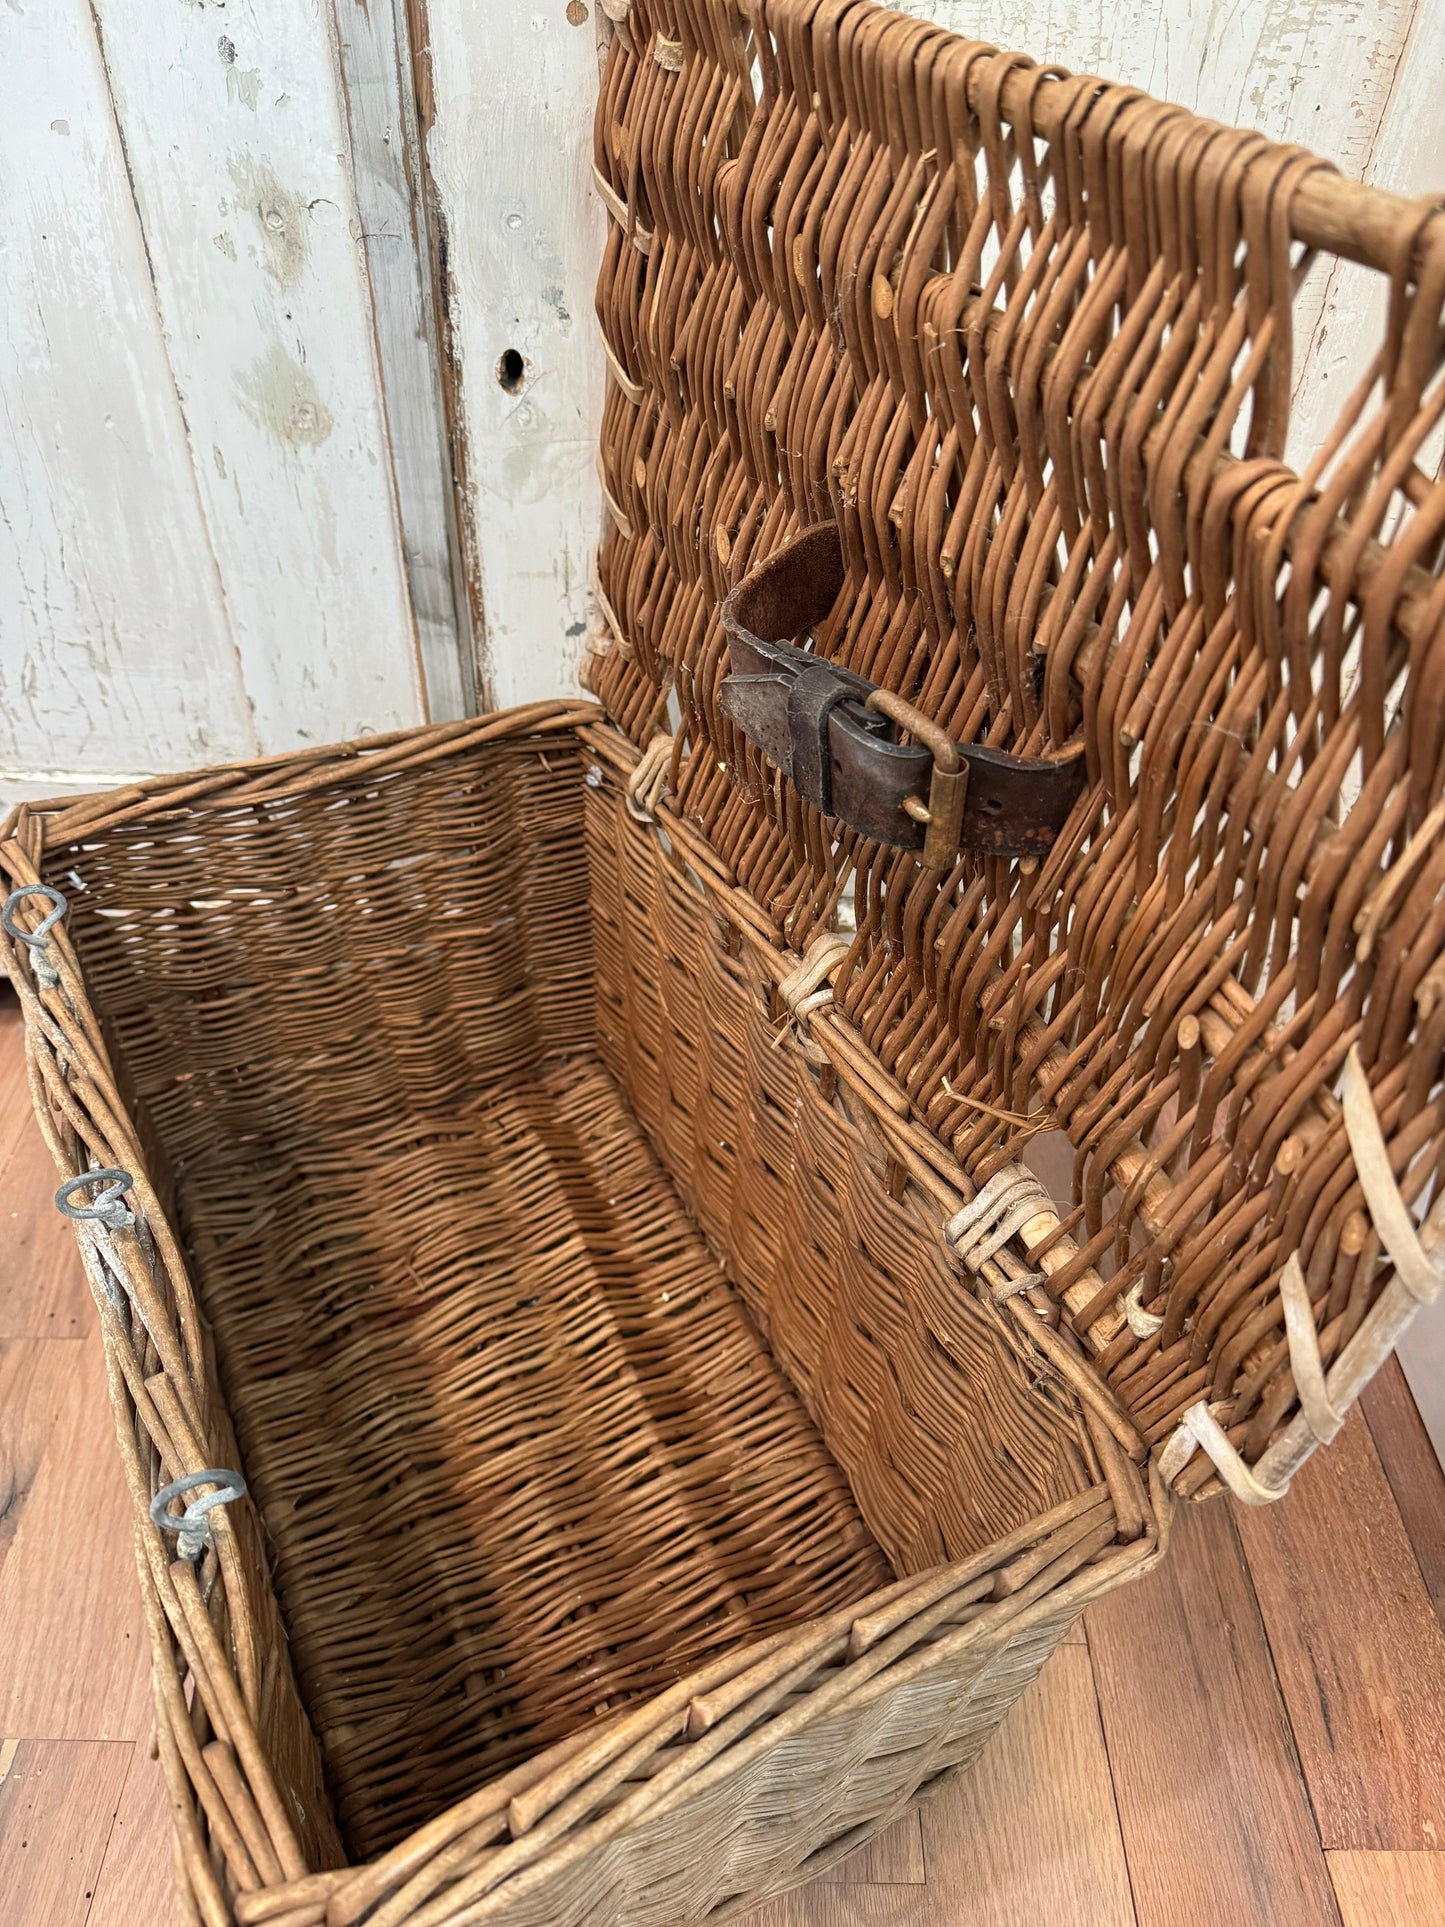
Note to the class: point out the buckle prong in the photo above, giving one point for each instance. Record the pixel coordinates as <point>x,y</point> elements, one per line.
<point>948,784</point>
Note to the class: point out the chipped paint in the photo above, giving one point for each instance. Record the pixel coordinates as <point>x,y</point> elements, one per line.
<point>509,147</point>
<point>391,190</point>
<point>195,502</point>
<point>244,84</point>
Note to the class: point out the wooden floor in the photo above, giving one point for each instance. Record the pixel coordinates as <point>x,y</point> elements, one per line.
<point>1254,1737</point>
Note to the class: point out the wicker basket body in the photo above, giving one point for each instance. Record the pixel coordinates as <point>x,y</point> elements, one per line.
<point>585,1189</point>
<point>551,1508</point>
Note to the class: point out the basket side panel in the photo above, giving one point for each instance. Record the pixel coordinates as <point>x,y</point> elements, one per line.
<point>799,1807</point>
<point>284,963</point>
<point>949,1437</point>
<point>428,919</point>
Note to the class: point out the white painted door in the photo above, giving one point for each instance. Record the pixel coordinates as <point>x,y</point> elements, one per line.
<point>203,554</point>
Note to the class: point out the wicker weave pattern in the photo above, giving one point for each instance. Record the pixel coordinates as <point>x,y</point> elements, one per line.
<point>455,1336</point>
<point>1028,339</point>
<point>910,1379</point>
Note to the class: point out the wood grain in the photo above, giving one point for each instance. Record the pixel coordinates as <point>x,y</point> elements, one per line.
<point>1359,1651</point>
<point>16,1118</point>
<point>43,1289</point>
<point>235,138</point>
<point>1414,1473</point>
<point>1389,1889</point>
<point>136,1886</point>
<point>1032,1833</point>
<point>36,1389</point>
<point>57,1804</point>
<point>1216,1823</point>
<point>893,1858</point>
<point>73,1662</point>
<point>843,1904</point>
<point>118,655</point>
<point>380,95</point>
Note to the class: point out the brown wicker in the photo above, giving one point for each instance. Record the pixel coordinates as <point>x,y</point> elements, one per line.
<point>583,1189</point>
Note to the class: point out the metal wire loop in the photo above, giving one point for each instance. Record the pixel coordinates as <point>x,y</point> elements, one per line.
<point>38,939</point>
<point>194,1526</point>
<point>106,1208</point>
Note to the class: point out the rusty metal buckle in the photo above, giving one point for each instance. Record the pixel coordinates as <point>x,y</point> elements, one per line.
<point>835,735</point>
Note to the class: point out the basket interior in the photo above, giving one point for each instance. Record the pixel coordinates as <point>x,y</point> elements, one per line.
<point>468,1113</point>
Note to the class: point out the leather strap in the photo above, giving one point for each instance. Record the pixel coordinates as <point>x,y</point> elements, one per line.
<point>809,718</point>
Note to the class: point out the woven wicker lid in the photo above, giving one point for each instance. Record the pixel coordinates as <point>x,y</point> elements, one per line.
<point>1027,340</point>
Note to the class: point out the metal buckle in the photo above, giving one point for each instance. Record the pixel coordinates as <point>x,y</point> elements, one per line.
<point>835,735</point>
<point>942,818</point>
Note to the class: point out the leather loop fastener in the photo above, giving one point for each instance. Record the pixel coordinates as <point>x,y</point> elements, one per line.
<point>835,735</point>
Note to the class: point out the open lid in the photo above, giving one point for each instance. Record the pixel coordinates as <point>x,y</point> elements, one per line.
<point>1024,341</point>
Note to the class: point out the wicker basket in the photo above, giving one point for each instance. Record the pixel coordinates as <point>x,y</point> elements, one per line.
<point>613,1413</point>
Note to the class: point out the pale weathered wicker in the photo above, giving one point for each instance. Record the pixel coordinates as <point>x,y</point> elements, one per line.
<point>581,1186</point>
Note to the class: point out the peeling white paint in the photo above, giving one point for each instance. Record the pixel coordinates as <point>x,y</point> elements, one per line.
<point>380,91</point>
<point>278,394</point>
<point>116,650</point>
<point>273,353</point>
<point>194,504</point>
<point>510,153</point>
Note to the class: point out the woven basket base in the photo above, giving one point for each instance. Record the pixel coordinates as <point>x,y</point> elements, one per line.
<point>521,1453</point>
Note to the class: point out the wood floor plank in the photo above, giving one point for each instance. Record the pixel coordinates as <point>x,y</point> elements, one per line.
<point>1032,1833</point>
<point>57,1804</point>
<point>1358,1648</point>
<point>43,1290</point>
<point>136,1885</point>
<point>893,1858</point>
<point>1029,1835</point>
<point>1415,1474</point>
<point>16,1116</point>
<point>1390,1889</point>
<point>1216,1821</point>
<point>72,1654</point>
<point>36,1391</point>
<point>839,1904</point>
